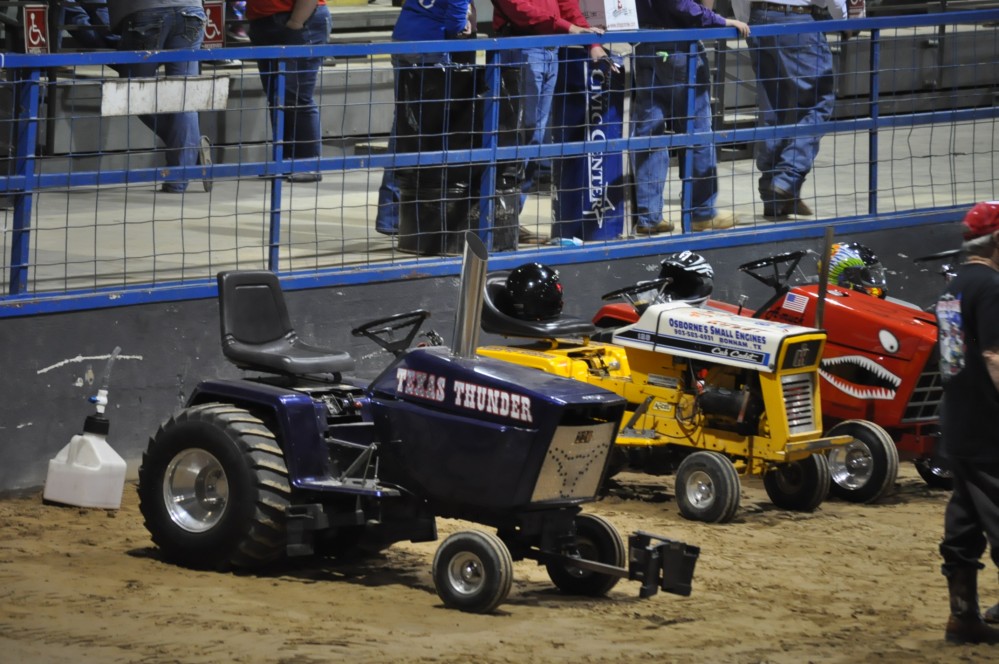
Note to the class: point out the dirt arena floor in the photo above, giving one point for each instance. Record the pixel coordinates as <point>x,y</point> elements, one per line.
<point>848,583</point>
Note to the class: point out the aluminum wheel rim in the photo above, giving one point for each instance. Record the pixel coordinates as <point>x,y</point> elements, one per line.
<point>851,466</point>
<point>195,490</point>
<point>465,573</point>
<point>700,490</point>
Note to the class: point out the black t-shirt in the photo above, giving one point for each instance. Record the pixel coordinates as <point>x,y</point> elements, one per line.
<point>968,315</point>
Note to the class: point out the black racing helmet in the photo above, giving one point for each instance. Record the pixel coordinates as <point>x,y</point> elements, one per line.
<point>534,292</point>
<point>692,275</point>
<point>870,278</point>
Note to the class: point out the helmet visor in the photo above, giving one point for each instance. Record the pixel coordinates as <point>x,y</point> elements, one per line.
<point>878,282</point>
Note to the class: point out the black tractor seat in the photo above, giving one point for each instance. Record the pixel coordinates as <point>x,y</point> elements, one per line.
<point>257,334</point>
<point>496,321</point>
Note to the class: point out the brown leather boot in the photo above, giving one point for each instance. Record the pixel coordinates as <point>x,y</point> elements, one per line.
<point>965,624</point>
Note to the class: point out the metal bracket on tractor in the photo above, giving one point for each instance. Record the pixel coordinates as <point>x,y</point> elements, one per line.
<point>658,562</point>
<point>668,565</point>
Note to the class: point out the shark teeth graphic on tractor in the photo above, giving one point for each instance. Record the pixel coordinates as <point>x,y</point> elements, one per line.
<point>860,377</point>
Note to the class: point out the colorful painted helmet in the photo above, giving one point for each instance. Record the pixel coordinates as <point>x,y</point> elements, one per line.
<point>853,265</point>
<point>534,292</point>
<point>692,275</point>
<point>982,219</point>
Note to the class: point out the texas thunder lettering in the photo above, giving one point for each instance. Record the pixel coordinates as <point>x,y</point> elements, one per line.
<point>466,395</point>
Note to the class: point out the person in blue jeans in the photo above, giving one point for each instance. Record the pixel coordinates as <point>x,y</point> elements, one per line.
<point>419,20</point>
<point>90,24</point>
<point>659,103</point>
<point>155,25</point>
<point>293,23</point>
<point>795,86</point>
<point>539,64</point>
<point>235,22</point>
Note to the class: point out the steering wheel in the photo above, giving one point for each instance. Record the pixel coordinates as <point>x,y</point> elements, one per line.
<point>380,329</point>
<point>776,259</point>
<point>635,289</point>
<point>777,280</point>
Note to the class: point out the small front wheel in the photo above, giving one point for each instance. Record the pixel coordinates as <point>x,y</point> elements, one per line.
<point>798,485</point>
<point>473,571</point>
<point>865,469</point>
<point>596,540</point>
<point>707,488</point>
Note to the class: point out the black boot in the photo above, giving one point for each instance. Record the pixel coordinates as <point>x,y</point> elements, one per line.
<point>992,615</point>
<point>965,624</point>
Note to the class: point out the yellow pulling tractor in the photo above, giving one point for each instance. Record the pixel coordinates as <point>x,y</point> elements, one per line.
<point>711,396</point>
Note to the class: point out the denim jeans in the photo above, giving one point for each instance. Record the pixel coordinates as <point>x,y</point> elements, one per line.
<point>539,73</point>
<point>302,131</point>
<point>389,195</point>
<point>90,24</point>
<point>660,104</point>
<point>155,30</point>
<point>795,87</point>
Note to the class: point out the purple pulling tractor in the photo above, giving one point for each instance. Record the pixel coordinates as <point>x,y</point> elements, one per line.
<point>295,461</point>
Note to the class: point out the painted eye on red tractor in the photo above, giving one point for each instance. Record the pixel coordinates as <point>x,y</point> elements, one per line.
<point>888,340</point>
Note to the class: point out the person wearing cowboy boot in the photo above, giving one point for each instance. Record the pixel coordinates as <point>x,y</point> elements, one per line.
<point>968,319</point>
<point>154,25</point>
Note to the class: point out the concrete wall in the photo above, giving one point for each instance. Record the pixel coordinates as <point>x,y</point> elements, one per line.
<point>51,364</point>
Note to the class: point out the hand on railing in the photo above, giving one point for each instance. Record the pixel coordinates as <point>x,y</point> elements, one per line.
<point>598,54</point>
<point>741,27</point>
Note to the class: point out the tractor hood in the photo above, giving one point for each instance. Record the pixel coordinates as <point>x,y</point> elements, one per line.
<point>487,435</point>
<point>484,388</point>
<point>718,336</point>
<point>863,323</point>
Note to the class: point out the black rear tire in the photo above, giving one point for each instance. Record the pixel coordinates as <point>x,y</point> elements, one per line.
<point>798,485</point>
<point>596,540</point>
<point>865,469</point>
<point>214,490</point>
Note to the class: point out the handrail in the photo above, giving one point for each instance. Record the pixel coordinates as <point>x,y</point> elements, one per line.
<point>25,68</point>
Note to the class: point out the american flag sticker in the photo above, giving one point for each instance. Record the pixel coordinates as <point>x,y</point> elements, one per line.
<point>795,302</point>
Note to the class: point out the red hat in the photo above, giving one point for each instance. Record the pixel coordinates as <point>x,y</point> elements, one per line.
<point>982,219</point>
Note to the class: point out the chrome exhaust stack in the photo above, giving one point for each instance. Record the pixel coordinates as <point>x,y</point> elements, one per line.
<point>468,317</point>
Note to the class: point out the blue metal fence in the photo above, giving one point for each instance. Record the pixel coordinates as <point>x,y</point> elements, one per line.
<point>87,228</point>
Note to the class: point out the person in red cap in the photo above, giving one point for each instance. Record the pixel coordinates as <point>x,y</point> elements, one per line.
<point>968,318</point>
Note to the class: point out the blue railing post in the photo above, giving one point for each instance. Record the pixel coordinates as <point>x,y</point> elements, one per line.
<point>872,136</point>
<point>687,164</point>
<point>277,151</point>
<point>26,91</point>
<point>490,130</point>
